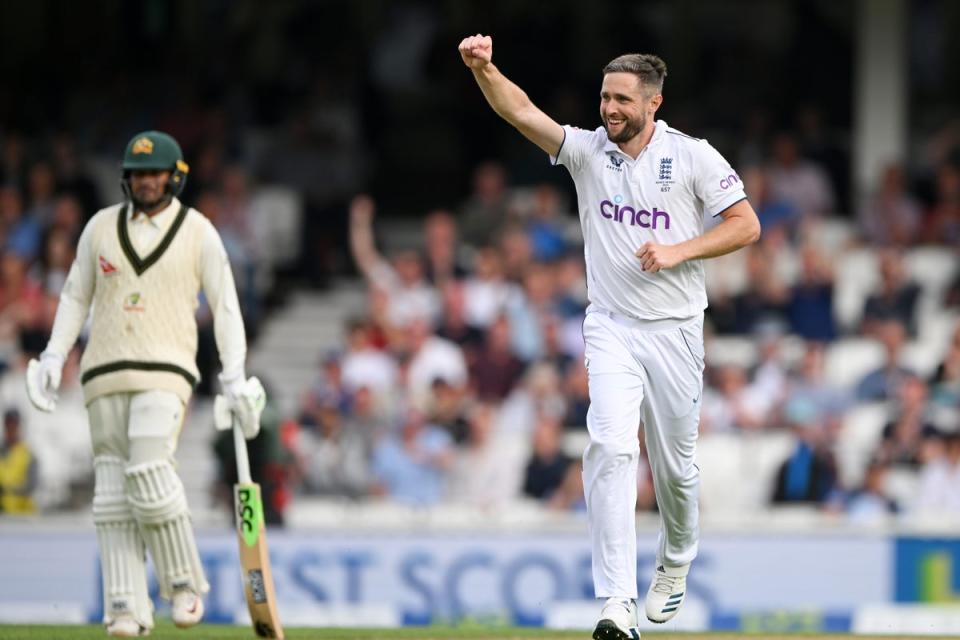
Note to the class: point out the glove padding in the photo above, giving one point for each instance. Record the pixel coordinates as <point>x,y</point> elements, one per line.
<point>244,401</point>
<point>43,380</point>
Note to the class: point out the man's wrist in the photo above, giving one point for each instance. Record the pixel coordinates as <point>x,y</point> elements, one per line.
<point>52,356</point>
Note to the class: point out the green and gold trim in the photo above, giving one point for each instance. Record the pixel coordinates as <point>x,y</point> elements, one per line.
<point>140,265</point>
<point>137,365</point>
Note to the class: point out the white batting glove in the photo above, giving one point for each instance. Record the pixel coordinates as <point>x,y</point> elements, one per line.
<point>245,399</point>
<point>43,380</point>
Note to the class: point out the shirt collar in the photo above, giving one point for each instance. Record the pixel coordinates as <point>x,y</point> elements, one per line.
<point>659,131</point>
<point>160,220</point>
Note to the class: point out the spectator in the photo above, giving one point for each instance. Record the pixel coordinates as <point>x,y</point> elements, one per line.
<point>883,383</point>
<point>576,390</point>
<point>871,503</point>
<point>496,370</point>
<point>943,222</point>
<point>890,216</point>
<point>68,217</point>
<point>939,492</point>
<point>539,393</point>
<point>72,177</point>
<point>804,186</point>
<point>453,321</point>
<point>770,376</point>
<point>569,495</point>
<point>440,243</point>
<point>807,384</point>
<point>486,292</point>
<point>21,305</point>
<point>22,234</point>
<point>771,210</point>
<point>363,365</point>
<point>526,312</point>
<point>516,253</point>
<point>945,383</point>
<point>571,284</point>
<point>548,464</point>
<point>906,439</point>
<point>809,475</point>
<point>485,211</point>
<point>489,468</point>
<point>409,296</point>
<point>431,358</point>
<point>810,307</point>
<point>896,300</point>
<point>764,299</point>
<point>411,466</point>
<point>41,187</point>
<point>335,458</point>
<point>731,404</point>
<point>545,225</point>
<point>328,397</point>
<point>449,406</point>
<point>18,468</point>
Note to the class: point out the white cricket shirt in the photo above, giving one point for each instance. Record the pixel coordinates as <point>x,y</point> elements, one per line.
<point>661,197</point>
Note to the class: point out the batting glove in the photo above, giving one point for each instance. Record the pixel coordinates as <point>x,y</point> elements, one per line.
<point>245,399</point>
<point>43,380</point>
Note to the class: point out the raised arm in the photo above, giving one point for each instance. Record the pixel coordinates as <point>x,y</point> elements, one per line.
<point>507,99</point>
<point>362,247</point>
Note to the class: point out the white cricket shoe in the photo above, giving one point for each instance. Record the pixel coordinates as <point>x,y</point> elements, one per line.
<point>666,593</point>
<point>187,608</point>
<point>618,620</point>
<point>124,626</point>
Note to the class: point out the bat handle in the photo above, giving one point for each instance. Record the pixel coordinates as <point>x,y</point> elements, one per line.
<point>240,445</point>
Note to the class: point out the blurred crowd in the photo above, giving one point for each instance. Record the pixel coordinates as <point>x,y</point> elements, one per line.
<point>464,382</point>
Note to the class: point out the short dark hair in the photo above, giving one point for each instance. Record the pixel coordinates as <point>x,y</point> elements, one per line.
<point>650,69</point>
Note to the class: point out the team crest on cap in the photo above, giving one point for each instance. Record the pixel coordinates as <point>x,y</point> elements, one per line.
<point>142,145</point>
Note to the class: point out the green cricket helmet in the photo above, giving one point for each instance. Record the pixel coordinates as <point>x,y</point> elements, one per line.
<point>155,151</point>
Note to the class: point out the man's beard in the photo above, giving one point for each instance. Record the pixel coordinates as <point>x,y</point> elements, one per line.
<point>150,205</point>
<point>630,128</point>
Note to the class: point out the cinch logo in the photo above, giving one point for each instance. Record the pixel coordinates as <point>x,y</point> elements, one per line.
<point>729,181</point>
<point>637,217</point>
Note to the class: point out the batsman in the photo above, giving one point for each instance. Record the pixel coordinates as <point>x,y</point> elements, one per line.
<point>139,268</point>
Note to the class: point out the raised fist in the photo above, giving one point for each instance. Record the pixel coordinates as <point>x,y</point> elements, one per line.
<point>476,51</point>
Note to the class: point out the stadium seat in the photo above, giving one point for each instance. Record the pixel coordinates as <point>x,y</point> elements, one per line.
<point>737,470</point>
<point>731,351</point>
<point>933,268</point>
<point>846,361</point>
<point>856,277</point>
<point>857,441</point>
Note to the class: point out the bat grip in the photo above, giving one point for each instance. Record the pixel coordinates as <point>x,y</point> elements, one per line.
<point>243,462</point>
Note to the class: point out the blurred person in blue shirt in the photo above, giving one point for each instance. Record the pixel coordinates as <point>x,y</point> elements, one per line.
<point>809,474</point>
<point>884,383</point>
<point>411,465</point>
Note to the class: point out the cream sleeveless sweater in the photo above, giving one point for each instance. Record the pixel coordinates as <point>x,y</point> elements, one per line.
<point>143,333</point>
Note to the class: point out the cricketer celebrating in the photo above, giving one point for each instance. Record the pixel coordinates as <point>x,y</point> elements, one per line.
<point>642,190</point>
<point>139,268</point>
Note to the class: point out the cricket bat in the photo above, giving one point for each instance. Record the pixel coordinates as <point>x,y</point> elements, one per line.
<point>251,534</point>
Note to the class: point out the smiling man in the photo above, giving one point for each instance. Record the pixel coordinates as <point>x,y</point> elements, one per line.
<point>140,265</point>
<point>642,189</point>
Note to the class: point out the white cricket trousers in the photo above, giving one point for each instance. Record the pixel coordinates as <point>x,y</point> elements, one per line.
<point>650,372</point>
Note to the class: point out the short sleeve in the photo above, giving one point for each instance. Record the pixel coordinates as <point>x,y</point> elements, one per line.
<point>715,182</point>
<point>574,148</point>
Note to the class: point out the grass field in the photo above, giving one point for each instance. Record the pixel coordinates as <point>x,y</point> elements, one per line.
<point>219,632</point>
